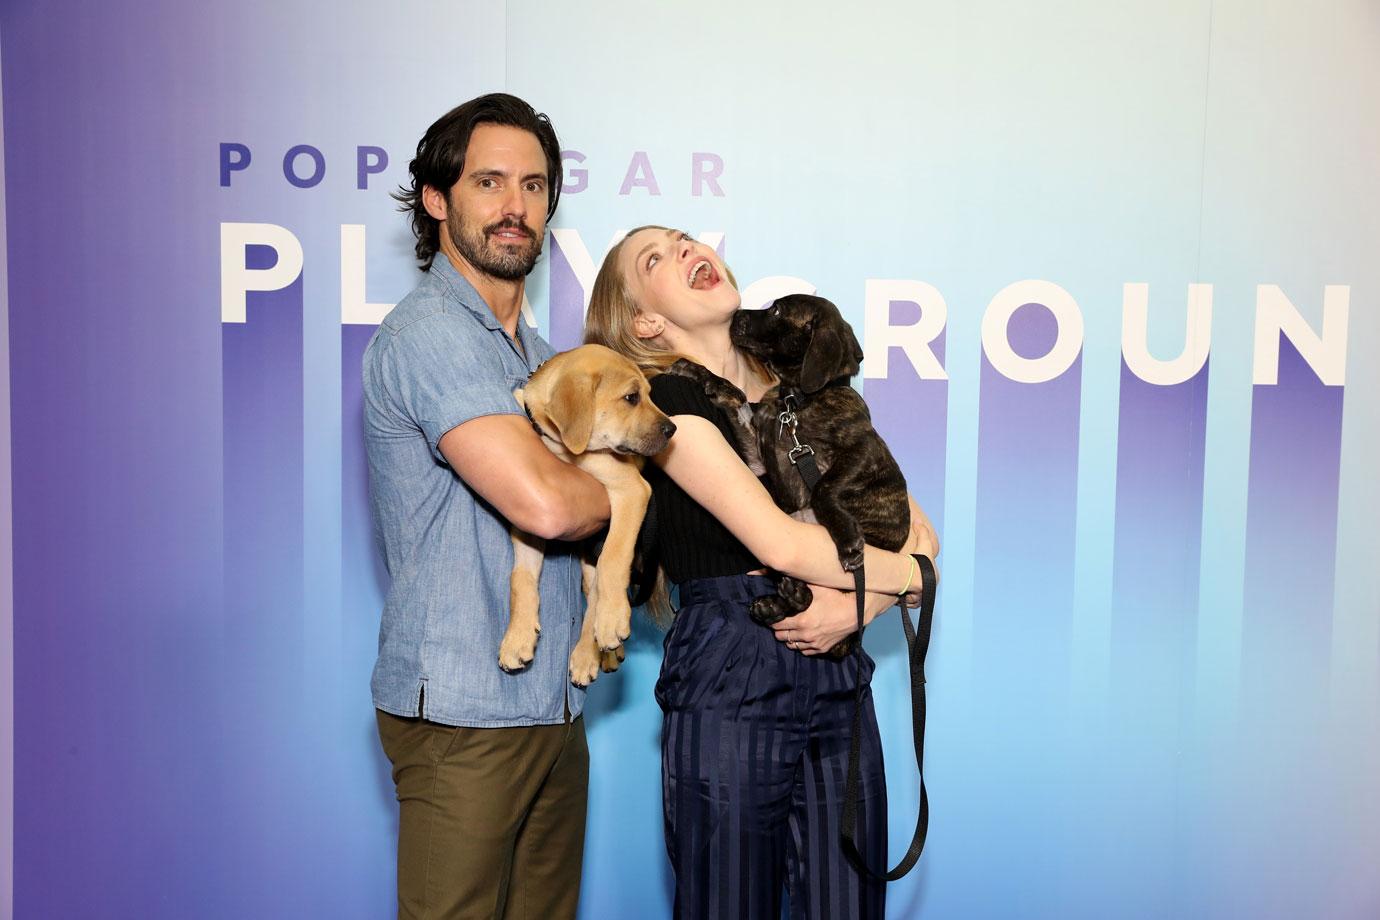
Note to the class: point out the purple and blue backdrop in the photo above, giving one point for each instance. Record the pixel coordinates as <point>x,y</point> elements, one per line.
<point>1114,271</point>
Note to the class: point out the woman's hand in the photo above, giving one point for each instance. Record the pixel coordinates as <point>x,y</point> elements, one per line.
<point>830,617</point>
<point>921,541</point>
<point>922,538</point>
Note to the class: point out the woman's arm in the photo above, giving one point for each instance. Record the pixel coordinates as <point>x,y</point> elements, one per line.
<point>834,614</point>
<point>702,463</point>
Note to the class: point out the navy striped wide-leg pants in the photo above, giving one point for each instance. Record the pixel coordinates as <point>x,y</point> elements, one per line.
<point>754,751</point>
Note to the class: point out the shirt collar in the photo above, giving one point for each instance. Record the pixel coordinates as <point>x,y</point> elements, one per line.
<point>464,292</point>
<point>526,335</point>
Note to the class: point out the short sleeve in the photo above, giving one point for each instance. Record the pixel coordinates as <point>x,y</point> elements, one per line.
<point>676,395</point>
<point>441,371</point>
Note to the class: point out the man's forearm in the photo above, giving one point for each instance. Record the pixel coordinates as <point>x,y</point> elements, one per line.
<point>577,505</point>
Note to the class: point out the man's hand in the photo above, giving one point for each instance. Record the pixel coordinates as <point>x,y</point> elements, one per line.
<point>832,616</point>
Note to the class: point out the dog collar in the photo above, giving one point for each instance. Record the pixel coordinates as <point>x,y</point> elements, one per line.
<point>535,426</point>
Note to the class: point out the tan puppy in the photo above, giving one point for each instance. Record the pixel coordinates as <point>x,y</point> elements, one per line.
<point>591,407</point>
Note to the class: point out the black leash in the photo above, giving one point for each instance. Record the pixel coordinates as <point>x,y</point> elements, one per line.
<point>917,645</point>
<point>645,557</point>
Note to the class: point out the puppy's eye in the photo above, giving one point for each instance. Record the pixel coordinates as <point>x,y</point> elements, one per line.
<point>633,398</point>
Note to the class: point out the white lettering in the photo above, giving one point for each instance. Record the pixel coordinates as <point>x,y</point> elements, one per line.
<point>1068,340</point>
<point>354,309</point>
<point>1325,354</point>
<point>914,339</point>
<point>236,280</point>
<point>1135,324</point>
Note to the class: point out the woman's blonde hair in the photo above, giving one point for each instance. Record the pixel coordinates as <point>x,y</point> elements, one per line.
<point>609,322</point>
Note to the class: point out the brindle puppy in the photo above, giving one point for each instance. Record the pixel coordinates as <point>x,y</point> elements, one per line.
<point>861,496</point>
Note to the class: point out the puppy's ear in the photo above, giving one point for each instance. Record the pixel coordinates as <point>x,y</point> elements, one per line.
<point>517,394</point>
<point>571,411</point>
<point>833,352</point>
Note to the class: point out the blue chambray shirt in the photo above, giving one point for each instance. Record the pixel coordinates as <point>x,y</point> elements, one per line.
<point>439,359</point>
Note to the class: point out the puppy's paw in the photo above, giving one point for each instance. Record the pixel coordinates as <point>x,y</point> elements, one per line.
<point>768,610</point>
<point>844,647</point>
<point>610,659</point>
<point>795,595</point>
<point>720,391</point>
<point>612,620</point>
<point>851,553</point>
<point>518,648</point>
<point>584,664</point>
<point>724,394</point>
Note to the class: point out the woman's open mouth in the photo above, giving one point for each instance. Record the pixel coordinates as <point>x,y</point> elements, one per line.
<point>702,276</point>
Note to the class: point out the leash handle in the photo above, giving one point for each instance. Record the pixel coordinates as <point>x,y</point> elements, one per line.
<point>917,644</point>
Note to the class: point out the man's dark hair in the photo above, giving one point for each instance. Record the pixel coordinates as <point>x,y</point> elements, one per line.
<point>440,159</point>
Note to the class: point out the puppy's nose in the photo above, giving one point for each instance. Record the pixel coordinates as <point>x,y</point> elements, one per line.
<point>668,428</point>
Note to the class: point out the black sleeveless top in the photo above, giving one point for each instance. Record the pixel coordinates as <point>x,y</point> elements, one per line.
<point>691,541</point>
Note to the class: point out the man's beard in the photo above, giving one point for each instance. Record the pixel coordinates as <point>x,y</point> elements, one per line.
<point>506,262</point>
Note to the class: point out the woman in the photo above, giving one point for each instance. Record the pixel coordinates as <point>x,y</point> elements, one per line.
<point>755,730</point>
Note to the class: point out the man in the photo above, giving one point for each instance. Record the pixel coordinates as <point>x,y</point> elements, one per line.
<point>491,768</point>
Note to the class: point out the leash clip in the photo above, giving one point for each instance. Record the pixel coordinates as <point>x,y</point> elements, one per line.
<point>788,419</point>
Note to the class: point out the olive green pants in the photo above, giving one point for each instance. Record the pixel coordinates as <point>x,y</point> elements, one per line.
<point>491,820</point>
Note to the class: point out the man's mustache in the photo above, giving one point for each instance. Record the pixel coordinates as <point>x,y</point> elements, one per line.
<point>510,225</point>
